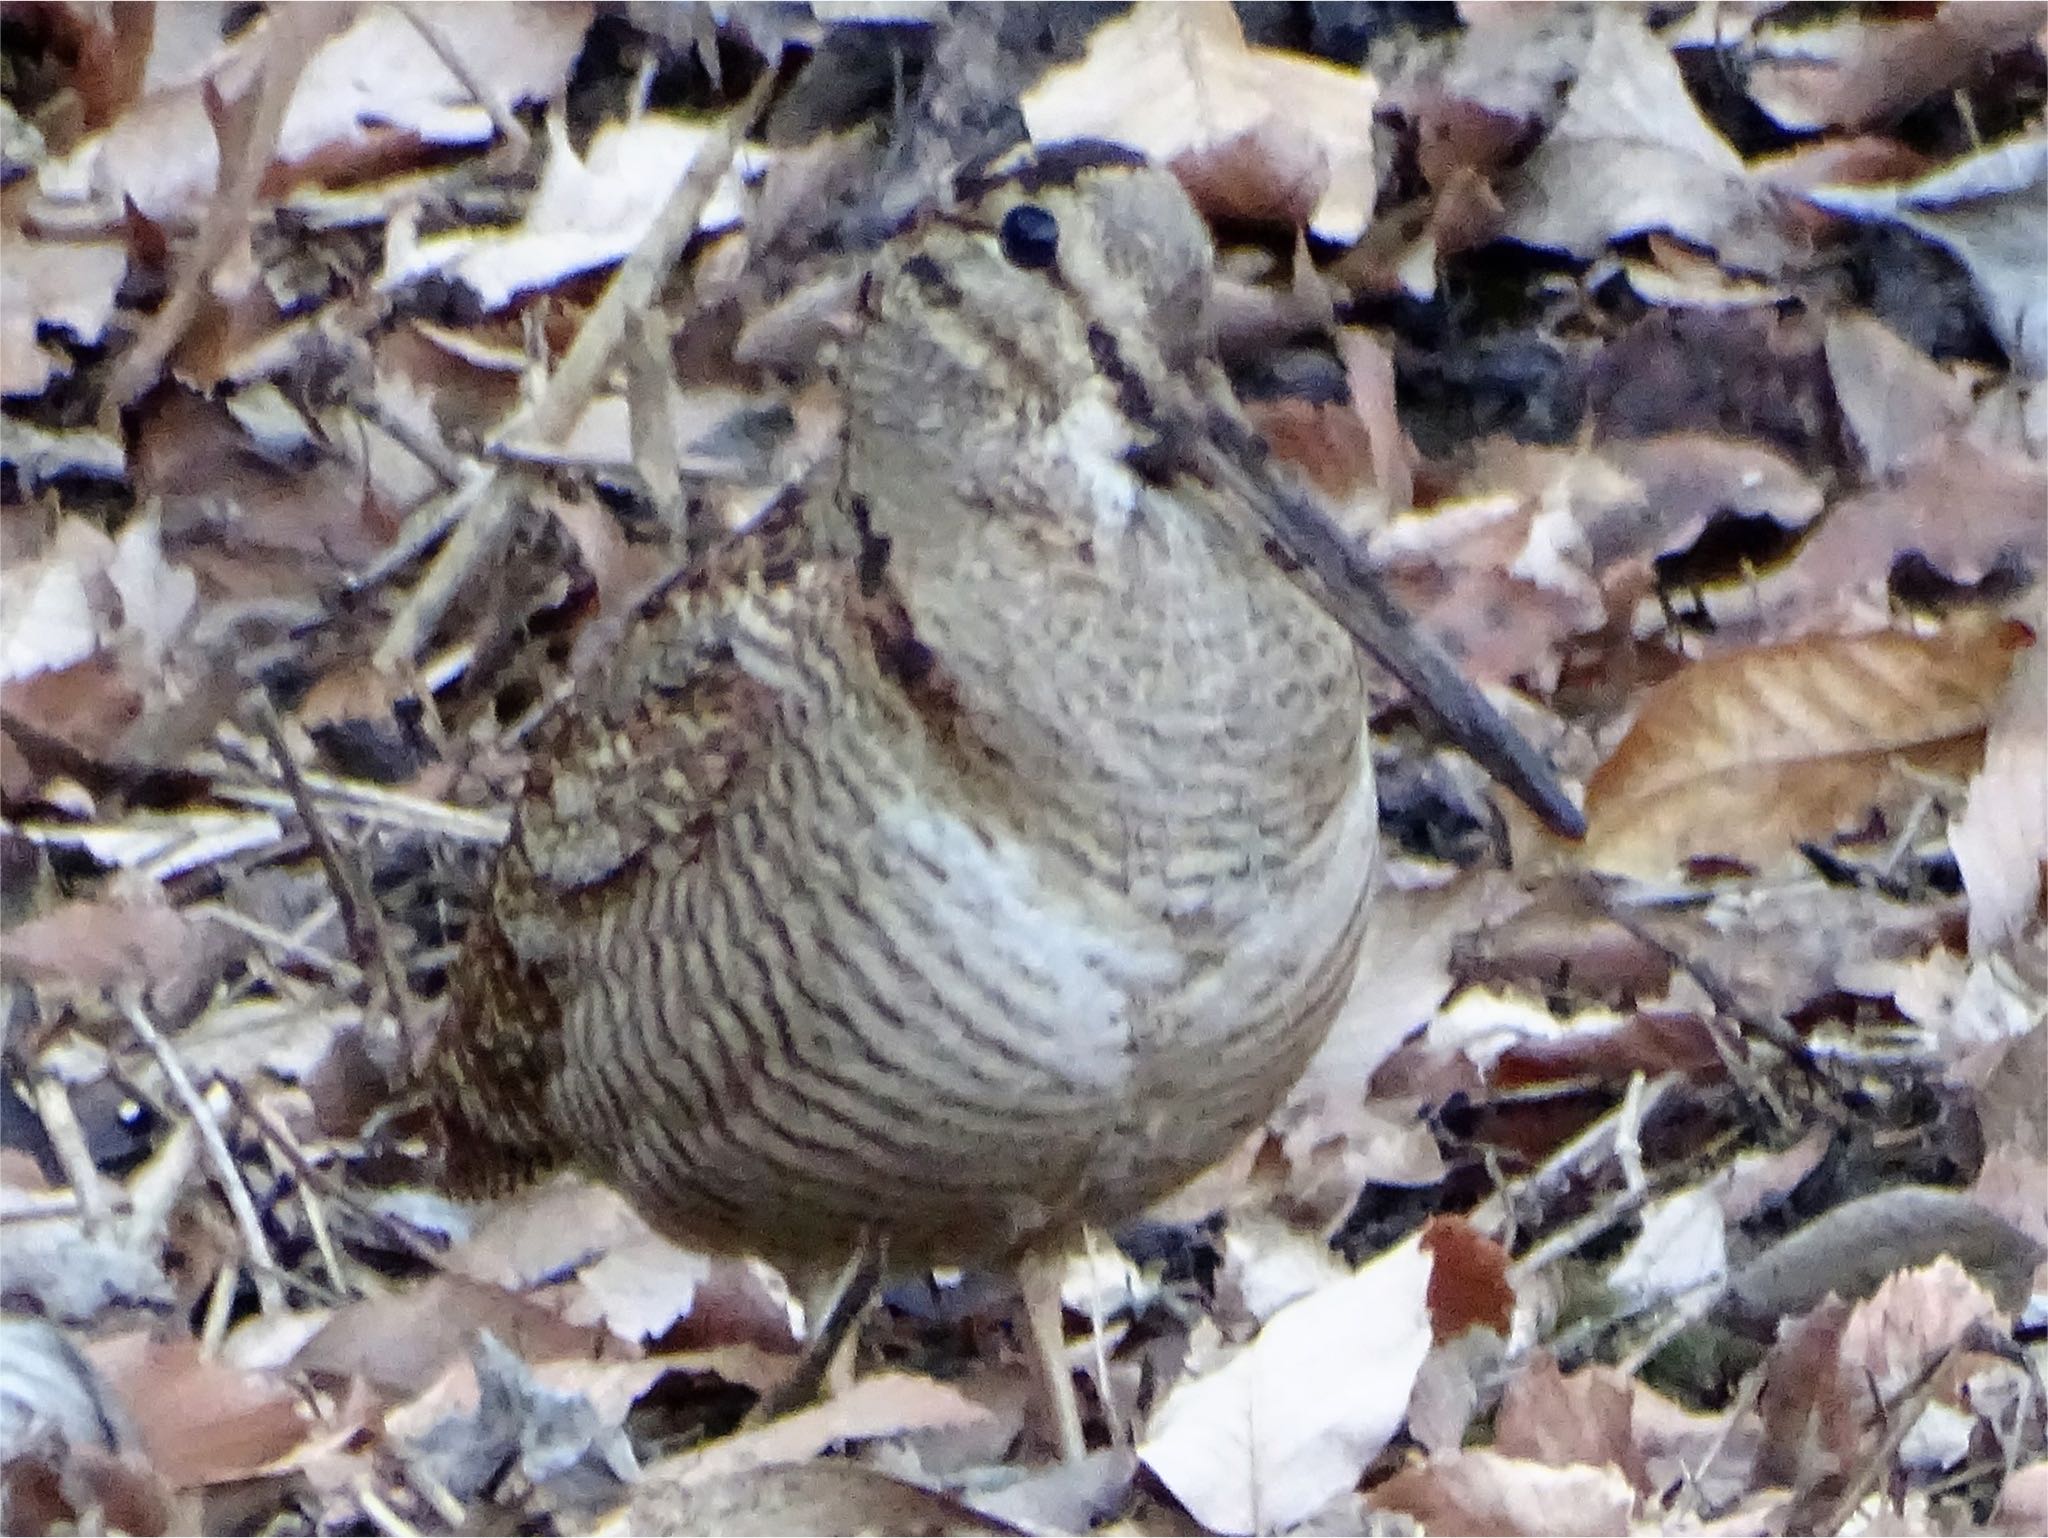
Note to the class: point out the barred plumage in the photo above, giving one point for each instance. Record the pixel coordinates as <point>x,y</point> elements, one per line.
<point>981,847</point>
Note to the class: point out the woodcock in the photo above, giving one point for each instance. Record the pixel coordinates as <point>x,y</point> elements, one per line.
<point>979,847</point>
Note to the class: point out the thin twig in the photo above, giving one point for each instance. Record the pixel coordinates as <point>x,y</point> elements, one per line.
<point>1562,1242</point>
<point>1902,1412</point>
<point>508,127</point>
<point>367,942</point>
<point>1771,1029</point>
<point>1119,1424</point>
<point>74,1157</point>
<point>1628,1133</point>
<point>423,527</point>
<point>280,1138</point>
<point>233,1187</point>
<point>342,973</point>
<point>1686,1311</point>
<point>1582,1154</point>
<point>379,808</point>
<point>445,467</point>
<point>1693,1493</point>
<point>436,1494</point>
<point>640,276</point>
<point>485,514</point>
<point>403,1237</point>
<point>379,1511</point>
<point>220,1307</point>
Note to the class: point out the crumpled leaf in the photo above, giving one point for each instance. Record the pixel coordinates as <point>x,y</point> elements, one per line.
<point>203,1422</point>
<point>1683,1245</point>
<point>1847,67</point>
<point>828,1496</point>
<point>589,212</point>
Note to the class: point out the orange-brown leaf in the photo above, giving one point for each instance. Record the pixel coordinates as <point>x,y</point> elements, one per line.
<point>1745,754</point>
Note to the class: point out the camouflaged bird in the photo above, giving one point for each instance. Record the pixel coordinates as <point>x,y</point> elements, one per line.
<point>979,847</point>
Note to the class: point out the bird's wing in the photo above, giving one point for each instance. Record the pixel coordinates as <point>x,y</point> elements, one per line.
<point>639,762</point>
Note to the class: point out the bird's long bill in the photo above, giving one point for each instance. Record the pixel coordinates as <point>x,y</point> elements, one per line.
<point>1327,565</point>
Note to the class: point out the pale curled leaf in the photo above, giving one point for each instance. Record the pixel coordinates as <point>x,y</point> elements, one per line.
<point>589,212</point>
<point>1632,154</point>
<point>1178,81</point>
<point>1742,755</point>
<point>1683,1245</point>
<point>2001,840</point>
<point>1986,208</point>
<point>1912,1318</point>
<point>1290,1422</point>
<point>68,288</point>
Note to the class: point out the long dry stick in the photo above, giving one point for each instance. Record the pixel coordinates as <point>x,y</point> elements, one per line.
<point>264,1267</point>
<point>487,515</point>
<point>367,942</point>
<point>295,31</point>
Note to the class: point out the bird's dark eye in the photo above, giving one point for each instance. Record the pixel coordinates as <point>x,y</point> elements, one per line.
<point>1030,237</point>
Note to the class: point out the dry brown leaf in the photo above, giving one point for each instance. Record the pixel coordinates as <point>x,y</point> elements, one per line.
<point>1586,1418</point>
<point>1289,1422</point>
<point>131,935</point>
<point>1909,1321</point>
<point>616,1271</point>
<point>201,1422</point>
<point>369,97</point>
<point>403,1342</point>
<point>1502,579</point>
<point>2013,1182</point>
<point>1674,273</point>
<point>1756,1181</point>
<point>1898,402</point>
<point>68,1461</point>
<point>2023,1501</point>
<point>1468,1285</point>
<point>1742,755</point>
<point>1810,1430</point>
<point>1178,82</point>
<point>1681,481</point>
<point>1485,1492</point>
<point>1968,514</point>
<point>824,1498</point>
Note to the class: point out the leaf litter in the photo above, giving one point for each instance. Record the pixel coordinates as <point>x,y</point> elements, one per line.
<point>1681,366</point>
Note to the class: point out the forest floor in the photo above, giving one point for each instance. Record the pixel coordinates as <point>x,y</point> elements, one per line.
<point>1679,366</point>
